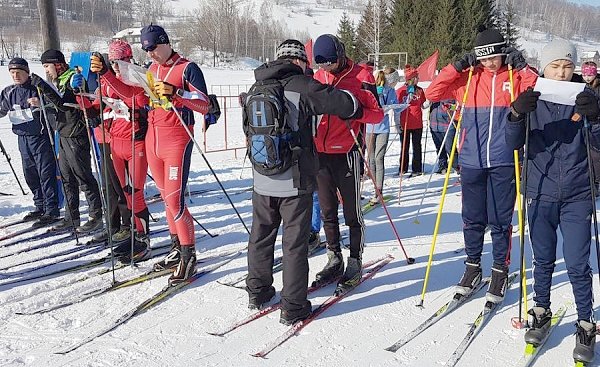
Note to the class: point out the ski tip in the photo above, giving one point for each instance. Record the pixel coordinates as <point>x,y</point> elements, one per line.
<point>259,355</point>
<point>215,333</point>
<point>391,349</point>
<point>580,364</point>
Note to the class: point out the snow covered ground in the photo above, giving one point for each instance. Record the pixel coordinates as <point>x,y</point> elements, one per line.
<point>351,333</point>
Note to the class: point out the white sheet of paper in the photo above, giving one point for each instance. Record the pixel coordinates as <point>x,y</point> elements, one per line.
<point>558,91</point>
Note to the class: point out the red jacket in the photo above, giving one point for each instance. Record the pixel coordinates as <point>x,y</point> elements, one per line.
<point>412,117</point>
<point>333,135</point>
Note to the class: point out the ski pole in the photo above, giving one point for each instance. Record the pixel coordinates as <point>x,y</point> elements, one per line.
<point>586,137</point>
<point>204,228</point>
<point>187,130</point>
<point>62,182</point>
<point>437,160</point>
<point>520,323</point>
<point>426,128</point>
<point>409,260</point>
<point>11,167</point>
<point>446,179</point>
<point>403,149</point>
<point>132,180</point>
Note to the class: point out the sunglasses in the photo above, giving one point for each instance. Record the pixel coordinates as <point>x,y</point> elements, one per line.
<point>326,63</point>
<point>150,48</point>
<point>114,62</point>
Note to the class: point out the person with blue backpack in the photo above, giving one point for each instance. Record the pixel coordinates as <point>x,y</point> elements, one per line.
<point>378,134</point>
<point>278,120</point>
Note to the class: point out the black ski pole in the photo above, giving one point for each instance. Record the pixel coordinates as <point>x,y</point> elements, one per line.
<point>586,138</point>
<point>524,214</point>
<point>203,228</point>
<point>187,130</point>
<point>11,167</point>
<point>62,183</point>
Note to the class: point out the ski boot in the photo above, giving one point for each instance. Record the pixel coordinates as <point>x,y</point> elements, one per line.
<point>65,224</point>
<point>123,234</point>
<point>585,340</point>
<point>314,241</point>
<point>351,276</point>
<point>333,269</point>
<point>470,279</point>
<point>540,326</point>
<point>258,301</point>
<point>498,283</point>
<point>289,318</point>
<point>141,250</point>
<point>36,214</point>
<point>45,220</point>
<point>93,224</point>
<point>172,259</point>
<point>186,267</point>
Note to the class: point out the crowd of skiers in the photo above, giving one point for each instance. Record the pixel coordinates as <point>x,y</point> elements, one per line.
<point>329,122</point>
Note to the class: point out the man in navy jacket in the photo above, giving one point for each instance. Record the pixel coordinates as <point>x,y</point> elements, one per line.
<point>21,103</point>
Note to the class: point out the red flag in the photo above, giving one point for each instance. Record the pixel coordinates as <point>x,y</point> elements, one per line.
<point>309,51</point>
<point>427,68</point>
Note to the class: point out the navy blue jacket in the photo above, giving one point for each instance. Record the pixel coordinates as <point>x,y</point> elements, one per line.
<point>17,95</point>
<point>557,167</point>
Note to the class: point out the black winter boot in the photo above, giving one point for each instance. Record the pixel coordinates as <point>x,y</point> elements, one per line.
<point>186,267</point>
<point>540,325</point>
<point>332,270</point>
<point>470,279</point>
<point>585,341</point>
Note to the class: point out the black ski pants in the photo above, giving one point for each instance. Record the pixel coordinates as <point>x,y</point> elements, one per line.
<point>341,172</point>
<point>75,168</point>
<point>267,214</point>
<point>118,213</point>
<point>413,137</point>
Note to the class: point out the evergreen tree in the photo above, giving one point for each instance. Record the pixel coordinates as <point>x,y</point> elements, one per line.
<point>398,31</point>
<point>366,33</point>
<point>506,19</point>
<point>475,15</point>
<point>446,31</point>
<point>347,35</point>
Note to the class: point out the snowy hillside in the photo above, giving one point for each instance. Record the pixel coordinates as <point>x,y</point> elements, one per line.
<point>353,332</point>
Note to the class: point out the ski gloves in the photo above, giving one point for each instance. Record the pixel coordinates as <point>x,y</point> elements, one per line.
<point>98,64</point>
<point>514,57</point>
<point>214,112</point>
<point>586,104</point>
<point>77,82</point>
<point>525,103</point>
<point>164,89</point>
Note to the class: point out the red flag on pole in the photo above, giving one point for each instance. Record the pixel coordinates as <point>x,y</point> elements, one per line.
<point>309,51</point>
<point>427,68</point>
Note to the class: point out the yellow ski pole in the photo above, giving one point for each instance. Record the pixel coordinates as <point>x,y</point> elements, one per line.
<point>520,214</point>
<point>446,179</point>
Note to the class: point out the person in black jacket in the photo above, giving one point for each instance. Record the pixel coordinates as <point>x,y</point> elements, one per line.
<point>74,146</point>
<point>558,191</point>
<point>21,103</point>
<point>280,197</point>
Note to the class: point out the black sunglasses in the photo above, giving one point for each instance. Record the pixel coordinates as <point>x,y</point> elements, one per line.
<point>150,48</point>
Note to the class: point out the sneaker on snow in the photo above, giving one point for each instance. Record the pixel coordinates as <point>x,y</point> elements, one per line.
<point>45,220</point>
<point>172,259</point>
<point>314,241</point>
<point>258,301</point>
<point>540,325</point>
<point>93,224</point>
<point>65,224</point>
<point>122,234</point>
<point>470,279</point>
<point>351,276</point>
<point>333,269</point>
<point>498,283</point>
<point>289,318</point>
<point>186,267</point>
<point>36,214</point>
<point>585,340</point>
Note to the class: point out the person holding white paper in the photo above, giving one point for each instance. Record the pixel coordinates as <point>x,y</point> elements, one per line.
<point>558,191</point>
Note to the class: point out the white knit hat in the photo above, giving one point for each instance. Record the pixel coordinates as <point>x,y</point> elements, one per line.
<point>558,49</point>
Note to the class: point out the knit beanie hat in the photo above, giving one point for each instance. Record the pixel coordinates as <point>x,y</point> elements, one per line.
<point>488,43</point>
<point>18,63</point>
<point>291,49</point>
<point>557,49</point>
<point>328,48</point>
<point>52,56</point>
<point>153,35</point>
<point>119,50</point>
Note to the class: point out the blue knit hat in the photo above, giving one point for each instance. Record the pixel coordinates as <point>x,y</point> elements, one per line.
<point>153,35</point>
<point>328,48</point>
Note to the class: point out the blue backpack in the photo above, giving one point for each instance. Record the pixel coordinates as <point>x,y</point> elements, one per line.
<point>272,145</point>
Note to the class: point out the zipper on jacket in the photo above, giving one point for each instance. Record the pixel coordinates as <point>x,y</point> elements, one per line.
<point>491,125</point>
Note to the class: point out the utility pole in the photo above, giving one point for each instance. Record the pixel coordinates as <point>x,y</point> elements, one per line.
<point>48,24</point>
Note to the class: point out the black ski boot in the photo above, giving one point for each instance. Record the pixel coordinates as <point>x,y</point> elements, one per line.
<point>289,318</point>
<point>333,269</point>
<point>65,224</point>
<point>258,301</point>
<point>470,279</point>
<point>498,283</point>
<point>141,249</point>
<point>36,214</point>
<point>186,267</point>
<point>92,225</point>
<point>314,241</point>
<point>540,326</point>
<point>45,220</point>
<point>585,340</point>
<point>351,276</point>
<point>172,259</point>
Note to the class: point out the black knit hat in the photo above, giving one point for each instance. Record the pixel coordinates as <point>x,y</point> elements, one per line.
<point>489,42</point>
<point>52,57</point>
<point>291,49</point>
<point>18,63</point>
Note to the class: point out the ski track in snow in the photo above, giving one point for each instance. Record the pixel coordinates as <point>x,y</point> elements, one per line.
<point>352,333</point>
